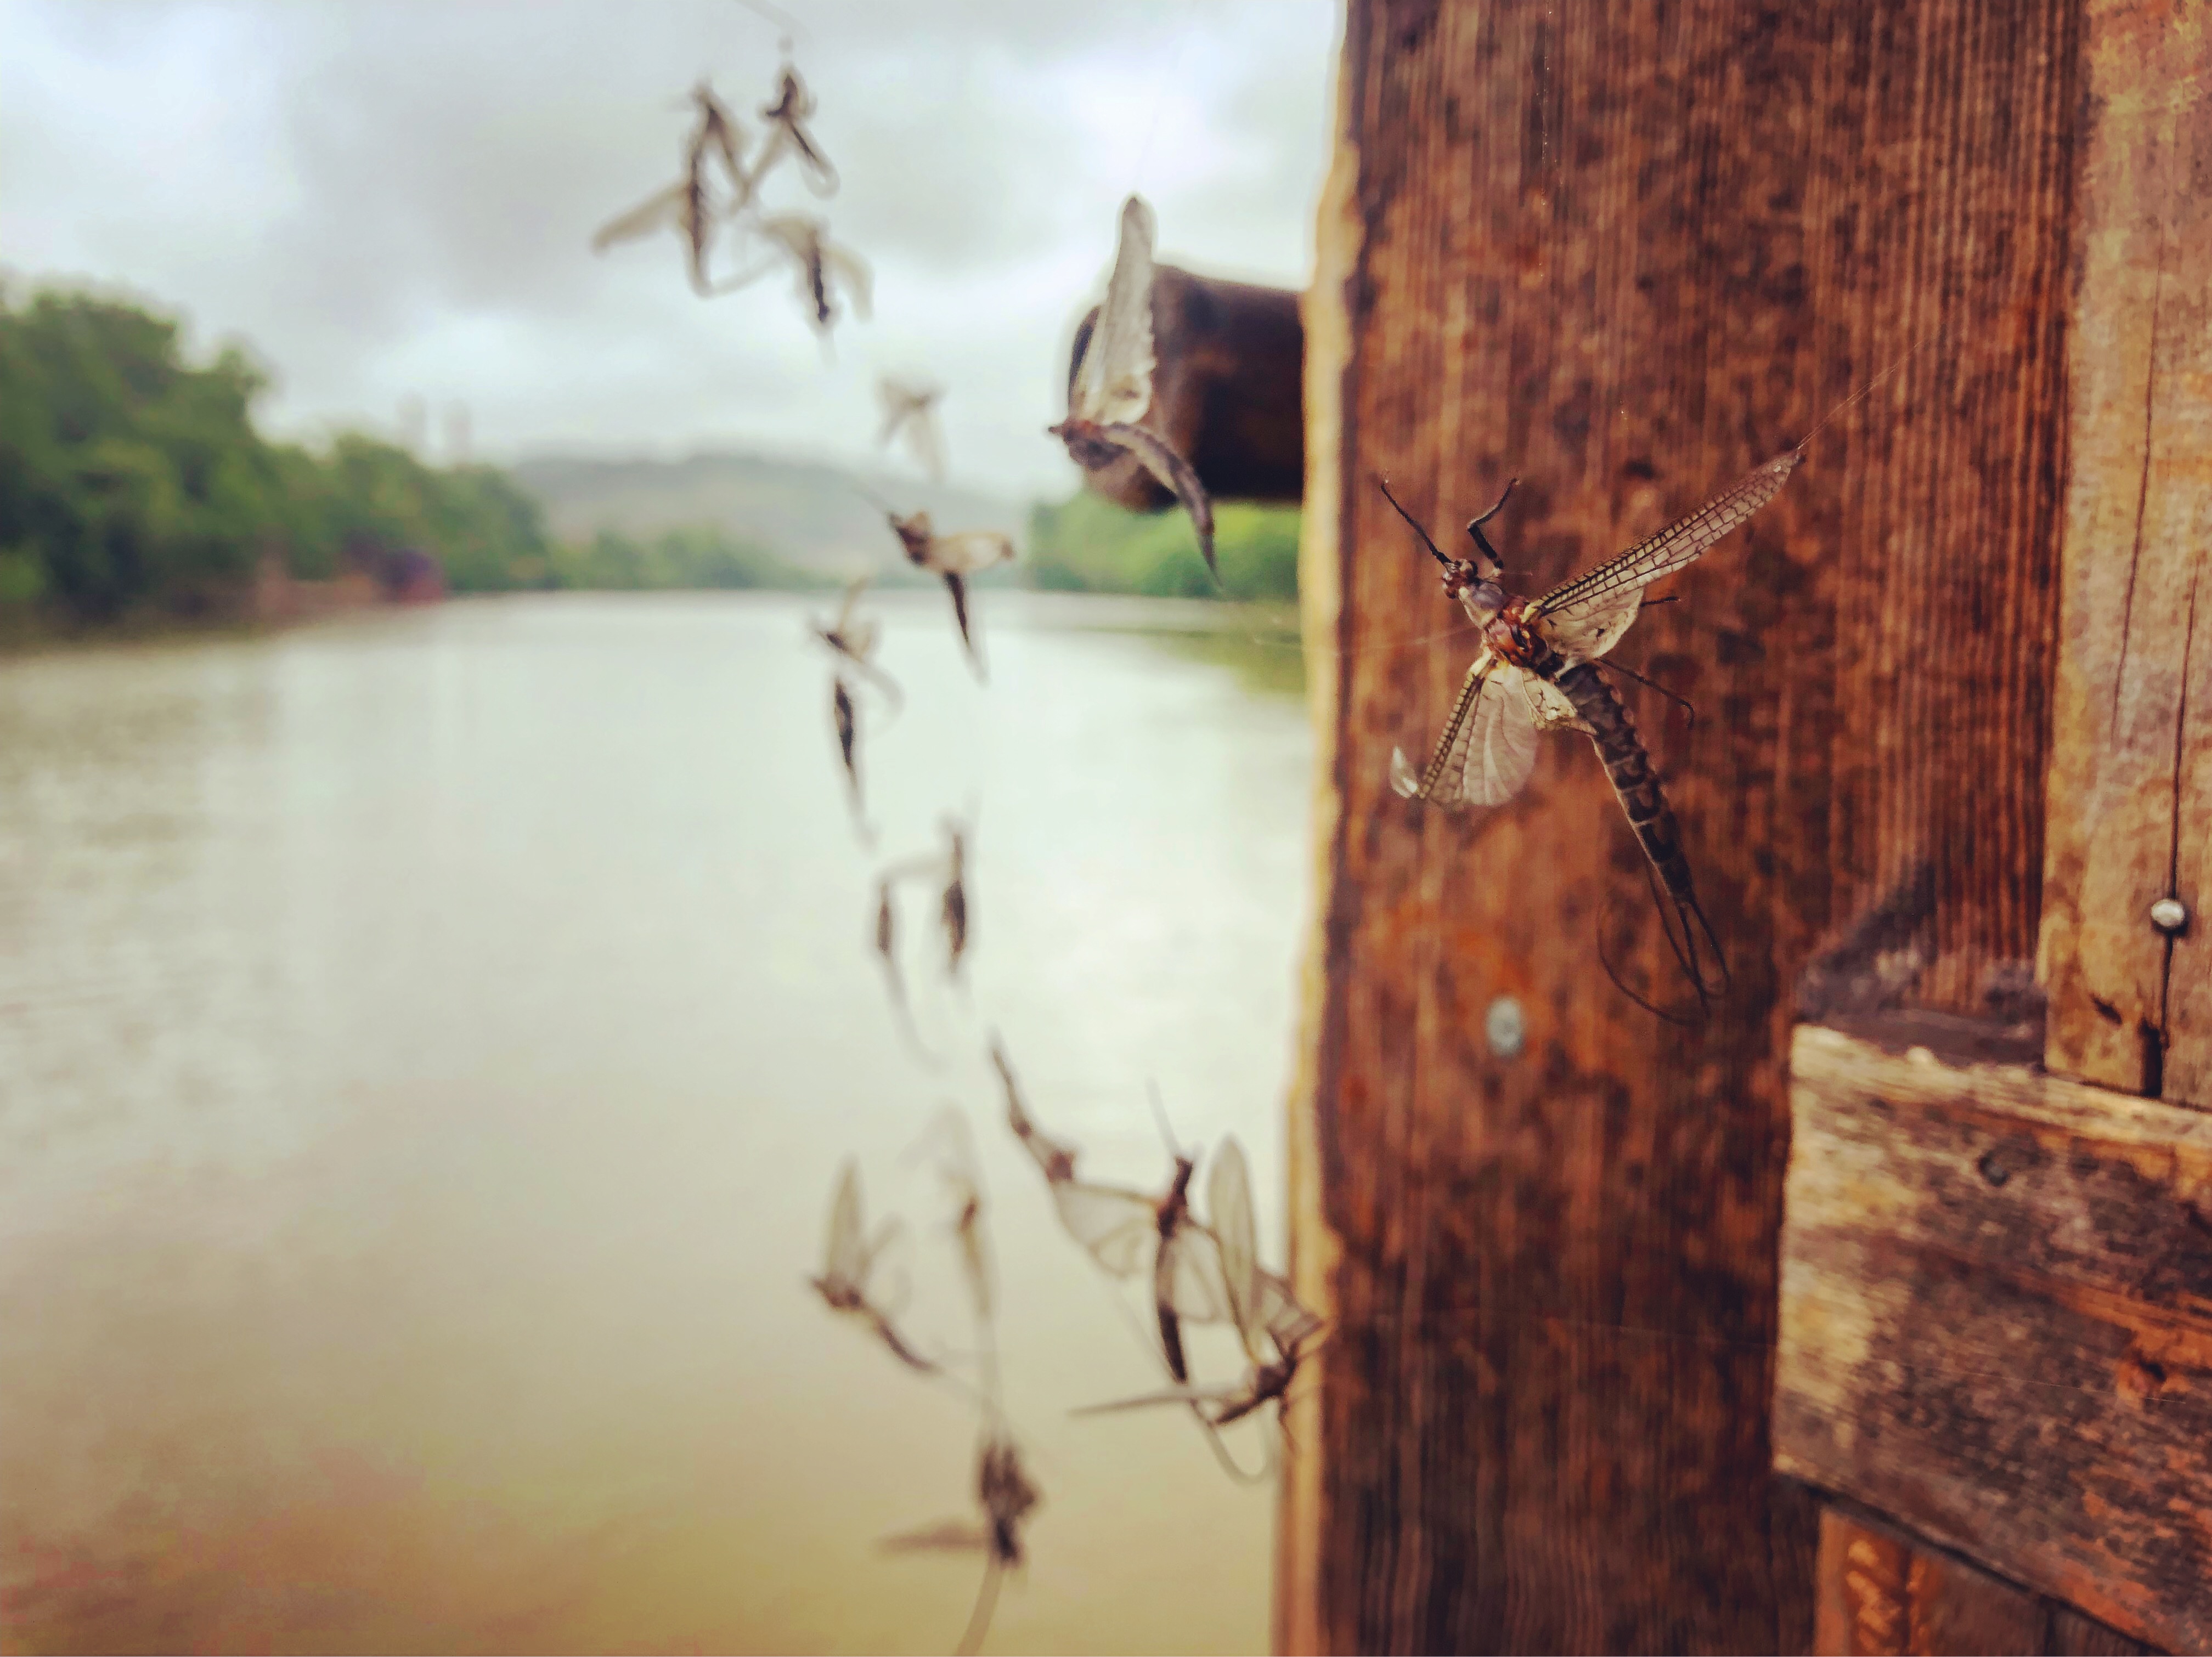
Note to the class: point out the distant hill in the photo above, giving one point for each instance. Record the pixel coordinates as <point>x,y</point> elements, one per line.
<point>810,513</point>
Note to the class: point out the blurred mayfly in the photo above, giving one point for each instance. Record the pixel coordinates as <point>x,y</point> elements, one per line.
<point>955,558</point>
<point>692,205</point>
<point>1126,1231</point>
<point>1260,1306</point>
<point>1003,1488</point>
<point>788,135</point>
<point>854,638</point>
<point>886,943</point>
<point>823,267</point>
<point>1537,672</point>
<point>910,410</point>
<point>1006,1495</point>
<point>850,1266</point>
<point>1109,387</point>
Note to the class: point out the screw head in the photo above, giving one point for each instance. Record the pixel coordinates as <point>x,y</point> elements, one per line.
<point>1506,1027</point>
<point>2170,915</point>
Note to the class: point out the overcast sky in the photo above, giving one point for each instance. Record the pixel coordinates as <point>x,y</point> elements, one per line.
<point>395,199</point>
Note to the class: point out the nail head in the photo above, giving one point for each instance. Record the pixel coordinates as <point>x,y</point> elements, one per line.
<point>2170,915</point>
<point>1506,1027</point>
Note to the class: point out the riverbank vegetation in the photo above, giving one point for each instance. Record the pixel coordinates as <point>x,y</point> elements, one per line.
<point>1087,545</point>
<point>133,480</point>
<point>134,484</point>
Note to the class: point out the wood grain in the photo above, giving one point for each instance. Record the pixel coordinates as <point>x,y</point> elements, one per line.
<point>1885,1594</point>
<point>1996,1323</point>
<point>1225,393</point>
<point>2130,804</point>
<point>1624,252</point>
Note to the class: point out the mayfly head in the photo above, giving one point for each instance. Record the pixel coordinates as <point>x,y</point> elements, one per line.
<point>1482,600</point>
<point>914,534</point>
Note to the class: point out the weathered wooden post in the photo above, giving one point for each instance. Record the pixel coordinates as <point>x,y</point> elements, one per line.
<point>1624,252</point>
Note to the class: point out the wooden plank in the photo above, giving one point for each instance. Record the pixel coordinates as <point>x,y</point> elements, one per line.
<point>1996,1323</point>
<point>1226,391</point>
<point>1884,1594</point>
<point>1624,252</point>
<point>2130,804</point>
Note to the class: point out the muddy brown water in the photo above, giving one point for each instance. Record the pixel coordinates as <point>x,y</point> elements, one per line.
<point>427,1044</point>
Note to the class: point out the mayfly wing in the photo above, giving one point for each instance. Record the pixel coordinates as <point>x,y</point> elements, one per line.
<point>1117,1227</point>
<point>926,438</point>
<point>1175,475</point>
<point>987,1605</point>
<point>1552,709</point>
<point>1229,1212</point>
<point>846,1256</point>
<point>656,212</point>
<point>1192,1281</point>
<point>1287,1320</point>
<point>968,551</point>
<point>946,1536</point>
<point>1113,382</point>
<point>1584,632</point>
<point>852,275</point>
<point>1678,543</point>
<point>847,611</point>
<point>1488,746</point>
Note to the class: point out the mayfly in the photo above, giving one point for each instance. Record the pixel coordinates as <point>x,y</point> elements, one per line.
<point>787,134</point>
<point>886,942</point>
<point>954,557</point>
<point>1126,1231</point>
<point>1110,388</point>
<point>690,205</point>
<point>1007,1495</point>
<point>1260,1306</point>
<point>1056,1158</point>
<point>851,1263</point>
<point>952,905</point>
<point>847,725</point>
<point>1536,672</point>
<point>953,1150</point>
<point>822,266</point>
<point>854,639</point>
<point>910,410</point>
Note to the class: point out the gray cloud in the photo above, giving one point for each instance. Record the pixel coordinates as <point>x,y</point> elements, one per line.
<point>396,199</point>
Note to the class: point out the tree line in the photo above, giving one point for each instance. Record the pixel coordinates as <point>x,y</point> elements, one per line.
<point>133,480</point>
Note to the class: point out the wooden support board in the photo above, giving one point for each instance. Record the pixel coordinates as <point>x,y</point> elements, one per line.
<point>1884,1594</point>
<point>2131,800</point>
<point>1996,1322</point>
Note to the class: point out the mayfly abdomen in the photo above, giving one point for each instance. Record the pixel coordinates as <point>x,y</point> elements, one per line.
<point>1629,768</point>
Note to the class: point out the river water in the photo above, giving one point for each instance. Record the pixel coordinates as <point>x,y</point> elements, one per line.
<point>428,1041</point>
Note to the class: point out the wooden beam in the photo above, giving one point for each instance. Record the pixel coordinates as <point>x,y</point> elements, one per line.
<point>1996,1322</point>
<point>1226,393</point>
<point>2130,803</point>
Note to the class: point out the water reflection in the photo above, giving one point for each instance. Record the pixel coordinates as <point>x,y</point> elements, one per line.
<point>428,1042</point>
